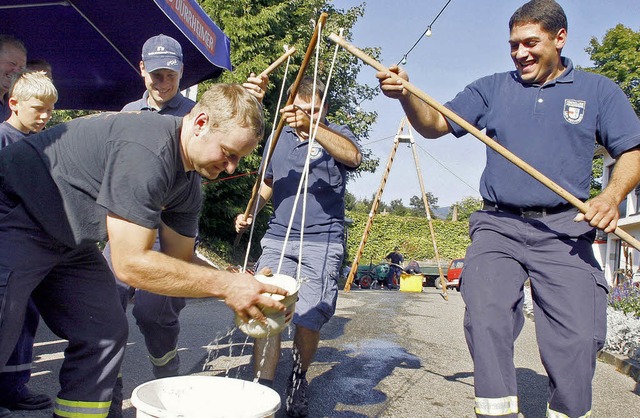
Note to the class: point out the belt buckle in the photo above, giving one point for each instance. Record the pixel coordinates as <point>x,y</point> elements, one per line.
<point>533,213</point>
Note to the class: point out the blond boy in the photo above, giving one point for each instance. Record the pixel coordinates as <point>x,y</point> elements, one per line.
<point>32,97</point>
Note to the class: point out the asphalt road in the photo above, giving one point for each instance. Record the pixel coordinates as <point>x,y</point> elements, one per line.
<point>384,354</point>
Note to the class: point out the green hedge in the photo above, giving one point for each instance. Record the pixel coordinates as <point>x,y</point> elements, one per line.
<point>410,233</point>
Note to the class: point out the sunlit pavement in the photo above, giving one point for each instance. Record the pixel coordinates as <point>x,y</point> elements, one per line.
<point>384,354</point>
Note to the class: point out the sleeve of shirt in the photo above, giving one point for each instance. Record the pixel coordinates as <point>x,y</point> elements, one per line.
<point>346,132</point>
<point>183,213</point>
<point>269,171</point>
<point>134,184</point>
<point>618,125</point>
<point>471,105</point>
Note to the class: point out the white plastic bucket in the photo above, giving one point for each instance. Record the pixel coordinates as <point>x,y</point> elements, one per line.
<point>204,396</point>
<point>276,320</point>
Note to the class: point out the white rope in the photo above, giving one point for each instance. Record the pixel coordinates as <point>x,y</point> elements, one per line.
<point>305,172</point>
<point>265,162</point>
<point>304,175</point>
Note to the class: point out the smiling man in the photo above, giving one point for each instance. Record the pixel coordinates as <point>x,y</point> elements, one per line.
<point>161,68</point>
<point>128,176</point>
<point>551,115</point>
<point>157,316</point>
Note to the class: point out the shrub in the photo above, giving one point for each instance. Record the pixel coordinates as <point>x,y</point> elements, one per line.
<point>626,298</point>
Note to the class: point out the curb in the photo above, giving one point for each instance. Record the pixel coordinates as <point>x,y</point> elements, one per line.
<point>623,364</point>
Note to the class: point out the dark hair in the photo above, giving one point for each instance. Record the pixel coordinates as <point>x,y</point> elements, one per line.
<point>547,13</point>
<point>305,88</point>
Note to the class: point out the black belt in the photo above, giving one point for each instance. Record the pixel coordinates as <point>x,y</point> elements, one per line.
<point>531,212</point>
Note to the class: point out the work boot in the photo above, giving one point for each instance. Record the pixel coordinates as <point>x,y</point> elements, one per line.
<point>28,402</point>
<point>297,403</point>
<point>4,412</point>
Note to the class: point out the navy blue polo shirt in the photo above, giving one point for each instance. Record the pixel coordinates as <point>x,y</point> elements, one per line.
<point>324,220</point>
<point>177,106</point>
<point>9,134</point>
<point>553,127</point>
<point>5,111</point>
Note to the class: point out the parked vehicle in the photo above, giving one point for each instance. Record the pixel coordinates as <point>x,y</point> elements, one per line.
<point>431,275</point>
<point>453,273</point>
<point>372,276</point>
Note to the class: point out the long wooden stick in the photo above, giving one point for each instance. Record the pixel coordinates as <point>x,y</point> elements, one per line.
<point>443,281</point>
<point>272,144</point>
<point>292,95</point>
<point>372,213</point>
<point>582,207</point>
<point>290,51</point>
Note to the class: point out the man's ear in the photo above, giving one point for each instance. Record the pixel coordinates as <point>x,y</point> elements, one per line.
<point>200,123</point>
<point>142,69</point>
<point>561,39</point>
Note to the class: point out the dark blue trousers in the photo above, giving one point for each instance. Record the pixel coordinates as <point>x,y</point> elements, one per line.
<point>16,373</point>
<point>569,297</point>
<point>157,316</point>
<point>75,293</point>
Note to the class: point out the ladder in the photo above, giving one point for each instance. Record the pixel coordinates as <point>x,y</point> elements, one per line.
<point>401,137</point>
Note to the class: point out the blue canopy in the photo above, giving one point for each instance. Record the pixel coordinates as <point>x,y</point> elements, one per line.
<point>94,46</point>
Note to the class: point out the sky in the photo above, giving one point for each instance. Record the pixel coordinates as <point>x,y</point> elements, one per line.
<point>469,40</point>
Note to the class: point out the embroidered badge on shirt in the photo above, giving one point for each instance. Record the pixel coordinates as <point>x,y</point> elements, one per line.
<point>574,110</point>
<point>316,151</point>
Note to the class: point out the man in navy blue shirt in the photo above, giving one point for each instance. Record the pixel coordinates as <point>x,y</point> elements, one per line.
<point>549,114</point>
<point>332,154</point>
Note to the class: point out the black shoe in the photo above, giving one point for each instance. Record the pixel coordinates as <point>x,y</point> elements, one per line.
<point>297,403</point>
<point>29,402</point>
<point>4,412</point>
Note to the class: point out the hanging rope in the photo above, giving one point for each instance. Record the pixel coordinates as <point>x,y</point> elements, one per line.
<point>276,134</point>
<point>294,91</point>
<point>305,171</point>
<point>275,118</point>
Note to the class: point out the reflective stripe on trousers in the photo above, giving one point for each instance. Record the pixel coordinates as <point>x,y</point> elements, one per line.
<point>162,361</point>
<point>16,368</point>
<point>555,414</point>
<point>80,409</point>
<point>497,406</point>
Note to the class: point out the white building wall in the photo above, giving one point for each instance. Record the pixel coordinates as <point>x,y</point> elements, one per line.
<point>618,256</point>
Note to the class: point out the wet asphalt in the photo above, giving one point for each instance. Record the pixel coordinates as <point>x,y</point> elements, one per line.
<point>384,354</point>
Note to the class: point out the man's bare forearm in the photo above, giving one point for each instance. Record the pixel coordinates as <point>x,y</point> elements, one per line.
<point>162,274</point>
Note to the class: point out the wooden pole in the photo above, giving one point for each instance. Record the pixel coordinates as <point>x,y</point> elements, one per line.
<point>527,168</point>
<point>443,281</point>
<point>279,61</point>
<point>372,213</point>
<point>272,144</point>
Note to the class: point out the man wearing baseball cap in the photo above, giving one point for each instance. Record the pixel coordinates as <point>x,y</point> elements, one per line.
<point>161,68</point>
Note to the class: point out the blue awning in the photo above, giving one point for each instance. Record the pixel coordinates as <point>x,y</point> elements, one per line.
<point>94,46</point>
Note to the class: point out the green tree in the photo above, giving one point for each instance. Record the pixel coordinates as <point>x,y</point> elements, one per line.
<point>466,207</point>
<point>417,204</point>
<point>350,201</point>
<point>596,176</point>
<point>396,207</point>
<point>258,30</point>
<point>618,58</point>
